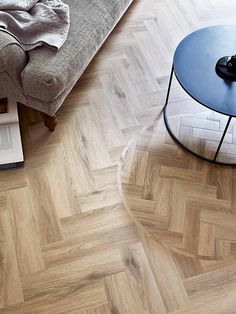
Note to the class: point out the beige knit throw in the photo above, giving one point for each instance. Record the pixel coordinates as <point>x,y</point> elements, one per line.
<point>35,22</point>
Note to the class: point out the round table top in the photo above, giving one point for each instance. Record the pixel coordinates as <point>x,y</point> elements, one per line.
<point>194,66</point>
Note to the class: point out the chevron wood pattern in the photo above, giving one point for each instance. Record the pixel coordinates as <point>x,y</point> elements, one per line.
<point>67,243</point>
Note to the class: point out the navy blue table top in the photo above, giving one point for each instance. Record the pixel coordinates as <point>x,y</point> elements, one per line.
<point>194,66</point>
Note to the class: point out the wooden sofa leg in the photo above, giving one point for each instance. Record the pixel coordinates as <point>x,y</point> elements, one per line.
<point>50,121</point>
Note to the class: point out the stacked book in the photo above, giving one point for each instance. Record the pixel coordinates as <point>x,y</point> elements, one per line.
<point>11,153</point>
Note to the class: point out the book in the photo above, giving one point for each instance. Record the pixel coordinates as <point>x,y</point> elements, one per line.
<point>11,152</point>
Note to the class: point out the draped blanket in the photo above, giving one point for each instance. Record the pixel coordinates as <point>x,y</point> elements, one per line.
<point>35,22</point>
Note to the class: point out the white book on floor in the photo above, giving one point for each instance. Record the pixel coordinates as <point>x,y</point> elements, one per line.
<point>11,153</point>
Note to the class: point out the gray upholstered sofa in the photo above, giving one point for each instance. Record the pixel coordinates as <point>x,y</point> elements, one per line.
<point>42,78</point>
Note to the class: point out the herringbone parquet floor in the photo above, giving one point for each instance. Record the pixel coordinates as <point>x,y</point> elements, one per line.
<point>67,244</point>
<point>182,202</point>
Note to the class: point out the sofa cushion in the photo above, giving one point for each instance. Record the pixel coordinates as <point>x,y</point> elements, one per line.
<point>49,73</point>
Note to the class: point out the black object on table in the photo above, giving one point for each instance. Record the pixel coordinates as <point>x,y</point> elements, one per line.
<point>195,67</point>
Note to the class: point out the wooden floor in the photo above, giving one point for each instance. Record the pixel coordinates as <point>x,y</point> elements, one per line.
<point>182,202</point>
<point>67,244</point>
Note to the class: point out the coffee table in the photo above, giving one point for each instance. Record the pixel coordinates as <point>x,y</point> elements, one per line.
<point>194,67</point>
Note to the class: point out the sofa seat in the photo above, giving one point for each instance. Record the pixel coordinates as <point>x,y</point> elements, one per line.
<point>42,78</point>
<point>50,75</point>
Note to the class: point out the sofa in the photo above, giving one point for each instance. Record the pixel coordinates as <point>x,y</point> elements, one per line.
<point>42,78</point>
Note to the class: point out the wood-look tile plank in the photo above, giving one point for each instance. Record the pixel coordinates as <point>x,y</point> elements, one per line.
<point>80,171</point>
<point>206,244</point>
<point>10,283</point>
<point>95,221</point>
<point>127,302</point>
<point>99,198</point>
<point>44,209</point>
<point>89,124</point>
<point>76,247</point>
<point>213,283</point>
<point>138,171</point>
<point>219,304</point>
<point>64,193</point>
<point>166,275</point>
<point>26,239</point>
<point>140,275</point>
<point>112,134</point>
<point>77,301</point>
<point>115,89</point>
<point>60,281</point>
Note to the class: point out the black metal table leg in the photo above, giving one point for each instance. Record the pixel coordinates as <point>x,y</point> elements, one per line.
<point>174,137</point>
<point>222,138</point>
<point>169,86</point>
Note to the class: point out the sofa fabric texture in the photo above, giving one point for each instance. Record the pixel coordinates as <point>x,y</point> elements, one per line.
<point>43,77</point>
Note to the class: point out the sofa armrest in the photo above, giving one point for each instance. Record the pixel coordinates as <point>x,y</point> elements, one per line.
<point>13,58</point>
